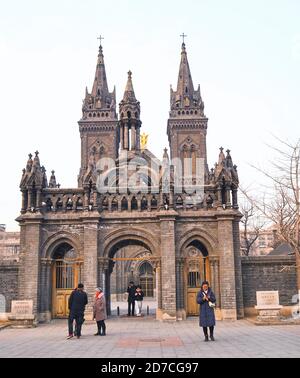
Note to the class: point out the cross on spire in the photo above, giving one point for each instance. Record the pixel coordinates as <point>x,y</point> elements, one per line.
<point>183,36</point>
<point>100,38</point>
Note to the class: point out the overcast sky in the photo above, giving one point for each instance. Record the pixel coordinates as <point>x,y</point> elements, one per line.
<point>245,55</point>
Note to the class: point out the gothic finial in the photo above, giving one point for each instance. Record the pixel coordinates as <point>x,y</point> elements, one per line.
<point>30,156</point>
<point>228,152</point>
<point>129,74</point>
<point>36,153</point>
<point>221,149</point>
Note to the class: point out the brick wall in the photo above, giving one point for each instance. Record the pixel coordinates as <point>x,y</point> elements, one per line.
<point>9,282</point>
<point>269,273</point>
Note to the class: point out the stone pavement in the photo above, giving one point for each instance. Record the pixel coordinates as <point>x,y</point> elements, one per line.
<point>145,337</point>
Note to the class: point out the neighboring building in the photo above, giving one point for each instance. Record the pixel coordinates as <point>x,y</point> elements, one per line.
<point>9,245</point>
<point>264,243</point>
<point>168,242</point>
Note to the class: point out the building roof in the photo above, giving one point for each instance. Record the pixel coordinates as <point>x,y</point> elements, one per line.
<point>283,249</point>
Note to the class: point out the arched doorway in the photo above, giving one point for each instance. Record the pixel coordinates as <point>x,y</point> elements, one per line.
<point>146,279</point>
<point>197,270</point>
<point>66,274</point>
<point>128,262</point>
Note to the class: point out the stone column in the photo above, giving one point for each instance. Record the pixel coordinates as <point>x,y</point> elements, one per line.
<point>215,281</point>
<point>29,200</point>
<point>138,138</point>
<point>103,264</point>
<point>45,290</point>
<point>126,139</point>
<point>90,266</point>
<point>24,200</point>
<point>168,273</point>
<point>38,199</point>
<point>238,268</point>
<point>133,137</point>
<point>30,242</point>
<point>228,196</point>
<point>227,266</point>
<point>235,198</point>
<point>157,266</point>
<point>180,287</point>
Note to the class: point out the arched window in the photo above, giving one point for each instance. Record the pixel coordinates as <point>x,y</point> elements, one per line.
<point>153,202</point>
<point>146,279</point>
<point>114,204</point>
<point>134,204</point>
<point>144,203</point>
<point>124,204</point>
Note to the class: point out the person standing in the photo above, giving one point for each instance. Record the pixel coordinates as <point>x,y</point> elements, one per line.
<point>131,298</point>
<point>207,301</point>
<point>100,312</point>
<point>77,302</point>
<point>139,296</point>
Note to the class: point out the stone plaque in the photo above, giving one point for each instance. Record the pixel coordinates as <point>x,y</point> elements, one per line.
<point>267,298</point>
<point>22,308</point>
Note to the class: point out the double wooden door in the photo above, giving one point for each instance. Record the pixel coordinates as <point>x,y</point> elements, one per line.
<point>66,276</point>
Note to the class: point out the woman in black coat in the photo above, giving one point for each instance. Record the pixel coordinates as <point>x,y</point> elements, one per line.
<point>207,301</point>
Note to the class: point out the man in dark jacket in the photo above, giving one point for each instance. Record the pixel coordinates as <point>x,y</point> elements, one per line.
<point>77,302</point>
<point>131,298</point>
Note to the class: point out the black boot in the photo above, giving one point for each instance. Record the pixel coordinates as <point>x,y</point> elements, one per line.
<point>212,338</point>
<point>206,339</point>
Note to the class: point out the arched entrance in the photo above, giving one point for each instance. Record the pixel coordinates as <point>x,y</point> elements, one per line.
<point>66,274</point>
<point>132,255</point>
<point>197,270</point>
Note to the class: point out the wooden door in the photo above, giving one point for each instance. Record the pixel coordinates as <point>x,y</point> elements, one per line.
<point>197,270</point>
<point>66,276</point>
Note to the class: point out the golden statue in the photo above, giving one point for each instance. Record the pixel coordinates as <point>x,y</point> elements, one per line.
<point>144,140</point>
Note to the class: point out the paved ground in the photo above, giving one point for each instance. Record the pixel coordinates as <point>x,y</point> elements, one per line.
<point>146,337</point>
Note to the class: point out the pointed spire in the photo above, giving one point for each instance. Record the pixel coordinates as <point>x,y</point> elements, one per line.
<point>129,107</point>
<point>221,156</point>
<point>129,95</point>
<point>185,83</point>
<point>100,87</point>
<point>29,163</point>
<point>100,103</point>
<point>52,182</point>
<point>166,155</point>
<point>186,101</point>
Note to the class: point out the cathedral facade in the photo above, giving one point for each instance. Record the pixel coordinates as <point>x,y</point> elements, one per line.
<point>166,228</point>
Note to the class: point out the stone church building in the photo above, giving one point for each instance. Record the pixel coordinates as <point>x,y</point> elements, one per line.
<point>166,240</point>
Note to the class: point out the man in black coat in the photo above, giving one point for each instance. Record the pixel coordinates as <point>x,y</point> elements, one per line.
<point>131,298</point>
<point>77,302</point>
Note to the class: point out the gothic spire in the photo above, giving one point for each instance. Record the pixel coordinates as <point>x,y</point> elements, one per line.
<point>129,95</point>
<point>185,83</point>
<point>100,103</point>
<point>129,106</point>
<point>100,87</point>
<point>186,101</point>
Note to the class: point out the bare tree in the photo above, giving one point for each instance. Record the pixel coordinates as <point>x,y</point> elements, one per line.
<point>252,226</point>
<point>281,205</point>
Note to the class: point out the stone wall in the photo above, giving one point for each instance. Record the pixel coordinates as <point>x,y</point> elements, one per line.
<point>266,273</point>
<point>9,282</point>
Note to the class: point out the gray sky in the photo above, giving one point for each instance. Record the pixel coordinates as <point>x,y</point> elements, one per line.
<point>245,56</point>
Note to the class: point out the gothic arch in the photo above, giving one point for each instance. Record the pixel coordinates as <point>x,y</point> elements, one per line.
<point>208,240</point>
<point>58,238</point>
<point>135,234</point>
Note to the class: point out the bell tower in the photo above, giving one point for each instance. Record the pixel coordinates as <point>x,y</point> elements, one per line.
<point>99,123</point>
<point>187,123</point>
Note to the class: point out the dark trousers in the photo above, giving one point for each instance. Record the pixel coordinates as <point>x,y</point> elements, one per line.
<point>78,323</point>
<point>211,331</point>
<point>131,307</point>
<point>101,327</point>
